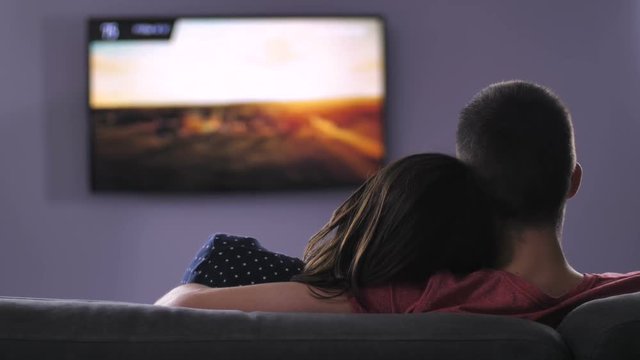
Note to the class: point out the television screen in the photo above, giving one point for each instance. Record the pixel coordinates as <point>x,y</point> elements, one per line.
<point>235,103</point>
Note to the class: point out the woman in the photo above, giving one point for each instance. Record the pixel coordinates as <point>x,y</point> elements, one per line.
<point>421,215</point>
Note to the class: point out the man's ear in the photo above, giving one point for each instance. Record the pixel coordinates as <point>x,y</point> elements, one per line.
<point>576,178</point>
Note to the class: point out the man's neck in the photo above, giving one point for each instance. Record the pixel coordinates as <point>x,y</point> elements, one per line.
<point>537,257</point>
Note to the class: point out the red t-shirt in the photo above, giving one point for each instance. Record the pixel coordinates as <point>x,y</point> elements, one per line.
<point>494,292</point>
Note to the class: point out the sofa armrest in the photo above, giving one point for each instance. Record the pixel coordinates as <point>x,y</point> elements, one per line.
<point>604,329</point>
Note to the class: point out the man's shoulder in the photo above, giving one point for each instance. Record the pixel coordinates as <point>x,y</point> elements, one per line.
<point>614,276</point>
<point>616,283</point>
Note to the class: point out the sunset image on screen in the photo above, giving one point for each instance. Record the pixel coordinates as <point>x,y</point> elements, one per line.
<point>239,103</point>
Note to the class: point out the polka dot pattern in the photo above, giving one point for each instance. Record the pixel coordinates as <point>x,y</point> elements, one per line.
<point>228,260</point>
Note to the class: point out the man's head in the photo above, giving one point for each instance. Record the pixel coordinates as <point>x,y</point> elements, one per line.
<point>519,137</point>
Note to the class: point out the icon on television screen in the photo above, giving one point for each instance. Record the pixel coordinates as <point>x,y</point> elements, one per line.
<point>110,30</point>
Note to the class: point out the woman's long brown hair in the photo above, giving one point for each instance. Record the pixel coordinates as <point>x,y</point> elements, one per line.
<point>422,214</point>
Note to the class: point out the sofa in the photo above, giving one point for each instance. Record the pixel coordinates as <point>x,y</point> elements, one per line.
<point>85,329</point>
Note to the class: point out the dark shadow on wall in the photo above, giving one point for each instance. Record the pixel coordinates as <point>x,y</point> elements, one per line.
<point>64,88</point>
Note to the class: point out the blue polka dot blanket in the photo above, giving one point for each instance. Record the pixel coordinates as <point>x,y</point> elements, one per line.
<point>228,260</point>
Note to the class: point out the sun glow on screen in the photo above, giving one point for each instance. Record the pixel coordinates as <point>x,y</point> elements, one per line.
<point>227,61</point>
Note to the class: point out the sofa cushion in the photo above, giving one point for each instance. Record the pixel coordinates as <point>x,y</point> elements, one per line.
<point>76,329</point>
<point>604,329</point>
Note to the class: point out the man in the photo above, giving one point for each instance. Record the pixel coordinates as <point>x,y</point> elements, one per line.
<point>518,137</point>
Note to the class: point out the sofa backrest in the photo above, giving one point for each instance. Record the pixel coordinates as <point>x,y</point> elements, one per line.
<point>74,329</point>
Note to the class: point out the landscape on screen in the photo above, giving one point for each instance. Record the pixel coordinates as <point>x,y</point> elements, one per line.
<point>239,104</point>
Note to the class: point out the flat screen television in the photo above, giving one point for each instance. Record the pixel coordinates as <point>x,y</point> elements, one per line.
<point>200,104</point>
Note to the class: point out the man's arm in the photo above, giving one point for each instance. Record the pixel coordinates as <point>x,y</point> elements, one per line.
<point>272,297</point>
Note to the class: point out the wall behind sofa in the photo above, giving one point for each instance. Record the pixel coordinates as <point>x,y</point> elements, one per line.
<point>59,240</point>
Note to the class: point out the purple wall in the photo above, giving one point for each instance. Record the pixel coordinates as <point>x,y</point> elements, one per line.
<point>58,240</point>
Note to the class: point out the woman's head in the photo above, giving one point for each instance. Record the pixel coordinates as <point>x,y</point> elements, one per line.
<point>421,214</point>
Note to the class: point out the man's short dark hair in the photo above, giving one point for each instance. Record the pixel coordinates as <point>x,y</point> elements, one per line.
<point>519,138</point>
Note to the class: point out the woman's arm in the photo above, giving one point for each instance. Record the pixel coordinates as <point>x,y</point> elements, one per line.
<point>273,297</point>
